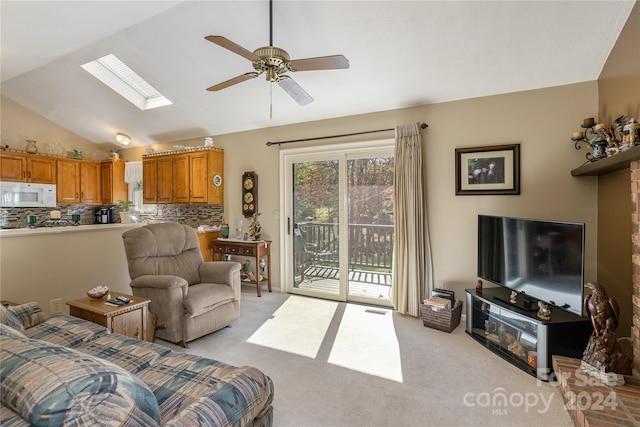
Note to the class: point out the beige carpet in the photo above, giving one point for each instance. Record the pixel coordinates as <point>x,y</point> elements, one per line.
<point>336,364</point>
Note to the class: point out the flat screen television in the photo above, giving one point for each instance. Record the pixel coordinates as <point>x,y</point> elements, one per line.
<point>538,258</point>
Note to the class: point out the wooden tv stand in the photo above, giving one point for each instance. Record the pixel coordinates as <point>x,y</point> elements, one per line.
<point>519,336</point>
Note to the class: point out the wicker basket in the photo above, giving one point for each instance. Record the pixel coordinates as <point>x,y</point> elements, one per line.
<point>441,319</point>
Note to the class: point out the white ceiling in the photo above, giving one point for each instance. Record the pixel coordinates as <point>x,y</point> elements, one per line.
<point>401,53</point>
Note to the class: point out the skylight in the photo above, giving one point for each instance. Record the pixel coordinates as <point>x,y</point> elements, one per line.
<point>122,79</point>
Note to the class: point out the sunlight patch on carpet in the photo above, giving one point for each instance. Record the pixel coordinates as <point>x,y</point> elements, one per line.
<point>298,326</point>
<point>366,342</point>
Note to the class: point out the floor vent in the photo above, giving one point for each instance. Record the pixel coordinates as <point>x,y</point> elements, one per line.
<point>371,310</point>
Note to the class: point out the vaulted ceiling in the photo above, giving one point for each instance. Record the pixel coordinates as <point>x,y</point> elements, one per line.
<point>401,54</point>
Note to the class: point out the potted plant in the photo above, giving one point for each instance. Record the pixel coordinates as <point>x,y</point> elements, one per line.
<point>125,214</point>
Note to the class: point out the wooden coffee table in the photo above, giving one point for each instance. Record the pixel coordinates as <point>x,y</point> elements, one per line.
<point>132,319</point>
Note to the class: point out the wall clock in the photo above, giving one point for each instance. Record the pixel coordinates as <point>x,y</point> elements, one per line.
<point>249,193</point>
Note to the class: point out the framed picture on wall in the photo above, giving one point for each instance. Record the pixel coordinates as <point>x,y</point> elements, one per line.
<point>488,170</point>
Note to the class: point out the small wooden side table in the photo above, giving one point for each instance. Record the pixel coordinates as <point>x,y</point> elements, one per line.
<point>130,319</point>
<point>8,303</point>
<point>250,248</point>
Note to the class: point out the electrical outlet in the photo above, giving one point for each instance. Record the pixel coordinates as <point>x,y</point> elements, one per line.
<point>56,306</point>
<point>69,211</point>
<point>276,214</point>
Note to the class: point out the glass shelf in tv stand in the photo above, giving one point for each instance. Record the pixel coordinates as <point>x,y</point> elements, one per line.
<point>512,335</point>
<point>511,323</point>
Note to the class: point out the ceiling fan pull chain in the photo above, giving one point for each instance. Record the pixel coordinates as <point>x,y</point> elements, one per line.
<point>270,100</point>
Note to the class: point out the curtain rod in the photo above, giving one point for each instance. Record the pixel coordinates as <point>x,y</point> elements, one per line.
<point>269,144</point>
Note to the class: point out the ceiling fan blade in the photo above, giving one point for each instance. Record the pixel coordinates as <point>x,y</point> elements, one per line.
<point>333,62</point>
<point>233,47</point>
<point>233,81</point>
<point>294,90</point>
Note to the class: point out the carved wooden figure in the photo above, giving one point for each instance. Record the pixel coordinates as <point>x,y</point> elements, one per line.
<point>603,351</point>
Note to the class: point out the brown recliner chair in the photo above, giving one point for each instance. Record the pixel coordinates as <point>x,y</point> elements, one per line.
<point>191,297</point>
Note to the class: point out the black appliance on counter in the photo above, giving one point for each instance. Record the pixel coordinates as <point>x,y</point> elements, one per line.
<point>103,216</point>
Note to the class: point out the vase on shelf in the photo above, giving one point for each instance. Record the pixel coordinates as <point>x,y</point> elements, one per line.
<point>32,146</point>
<point>239,226</point>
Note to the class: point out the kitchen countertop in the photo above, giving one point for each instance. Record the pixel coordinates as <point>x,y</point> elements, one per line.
<point>21,232</point>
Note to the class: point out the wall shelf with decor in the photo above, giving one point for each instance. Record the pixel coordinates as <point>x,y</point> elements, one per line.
<point>609,164</point>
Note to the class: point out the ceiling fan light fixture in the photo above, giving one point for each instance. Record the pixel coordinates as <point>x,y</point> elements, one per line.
<point>272,76</point>
<point>123,139</point>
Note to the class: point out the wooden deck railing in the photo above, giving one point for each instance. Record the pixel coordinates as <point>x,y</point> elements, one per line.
<point>370,245</point>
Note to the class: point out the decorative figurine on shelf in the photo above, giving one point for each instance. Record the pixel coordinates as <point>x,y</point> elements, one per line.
<point>255,227</point>
<point>479,286</point>
<point>544,311</point>
<point>603,358</point>
<point>604,140</point>
<point>614,134</point>
<point>513,298</point>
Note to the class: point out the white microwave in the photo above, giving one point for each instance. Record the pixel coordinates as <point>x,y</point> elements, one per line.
<point>27,195</point>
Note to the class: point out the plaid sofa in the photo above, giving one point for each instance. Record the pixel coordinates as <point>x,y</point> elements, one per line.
<point>67,371</point>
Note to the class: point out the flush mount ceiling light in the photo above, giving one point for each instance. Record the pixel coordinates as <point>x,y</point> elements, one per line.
<point>122,79</point>
<point>123,139</point>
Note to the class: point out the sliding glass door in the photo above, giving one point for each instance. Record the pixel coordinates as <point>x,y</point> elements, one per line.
<point>339,223</point>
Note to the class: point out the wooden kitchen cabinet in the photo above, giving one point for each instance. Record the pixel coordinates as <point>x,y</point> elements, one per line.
<point>90,187</point>
<point>149,180</point>
<point>157,179</point>
<point>68,181</point>
<point>78,181</point>
<point>19,167</point>
<point>41,169</point>
<point>164,180</point>
<point>206,247</point>
<point>112,182</point>
<point>193,177</point>
<point>190,178</point>
<point>180,185</point>
<point>13,167</point>
<point>198,173</point>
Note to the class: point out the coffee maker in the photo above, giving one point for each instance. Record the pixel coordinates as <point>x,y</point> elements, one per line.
<point>103,216</point>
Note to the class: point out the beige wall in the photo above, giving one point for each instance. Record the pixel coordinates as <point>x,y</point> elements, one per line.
<point>619,93</point>
<point>19,124</point>
<point>542,121</point>
<point>65,263</point>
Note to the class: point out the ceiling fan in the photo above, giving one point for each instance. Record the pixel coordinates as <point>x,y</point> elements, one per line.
<point>274,62</point>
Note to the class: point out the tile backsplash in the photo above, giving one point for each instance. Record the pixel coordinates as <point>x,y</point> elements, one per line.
<point>192,215</point>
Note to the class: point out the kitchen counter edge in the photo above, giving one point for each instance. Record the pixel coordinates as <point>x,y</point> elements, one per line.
<point>21,232</point>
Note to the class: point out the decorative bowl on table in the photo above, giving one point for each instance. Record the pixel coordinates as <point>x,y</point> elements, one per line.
<point>98,292</point>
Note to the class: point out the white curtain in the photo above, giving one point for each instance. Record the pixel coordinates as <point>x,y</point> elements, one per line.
<point>132,172</point>
<point>133,177</point>
<point>412,267</point>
